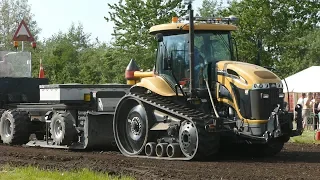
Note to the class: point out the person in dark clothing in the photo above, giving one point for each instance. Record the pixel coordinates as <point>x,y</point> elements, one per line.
<point>316,110</point>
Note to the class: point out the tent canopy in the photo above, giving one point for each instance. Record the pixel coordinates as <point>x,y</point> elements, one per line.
<point>303,81</point>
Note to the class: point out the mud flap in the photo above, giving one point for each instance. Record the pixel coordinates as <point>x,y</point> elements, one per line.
<point>98,131</point>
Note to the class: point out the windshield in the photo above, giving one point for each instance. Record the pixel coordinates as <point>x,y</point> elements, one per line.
<point>209,47</point>
<point>15,64</point>
<point>212,47</point>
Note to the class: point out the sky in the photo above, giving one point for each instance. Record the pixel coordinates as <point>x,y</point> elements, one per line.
<point>53,16</point>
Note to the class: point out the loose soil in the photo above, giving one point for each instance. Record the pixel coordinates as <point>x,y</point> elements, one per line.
<point>295,161</point>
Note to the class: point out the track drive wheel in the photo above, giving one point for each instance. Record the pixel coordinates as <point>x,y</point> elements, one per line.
<point>130,126</point>
<point>62,129</point>
<point>196,143</point>
<point>14,127</point>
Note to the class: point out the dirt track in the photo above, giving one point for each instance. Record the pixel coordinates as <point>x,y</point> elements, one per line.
<point>294,162</point>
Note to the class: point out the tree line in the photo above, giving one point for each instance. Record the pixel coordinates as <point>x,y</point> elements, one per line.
<point>282,34</point>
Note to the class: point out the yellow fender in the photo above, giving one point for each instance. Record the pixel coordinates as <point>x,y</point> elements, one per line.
<point>157,85</point>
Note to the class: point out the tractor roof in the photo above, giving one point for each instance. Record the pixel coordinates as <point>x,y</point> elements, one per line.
<point>199,25</point>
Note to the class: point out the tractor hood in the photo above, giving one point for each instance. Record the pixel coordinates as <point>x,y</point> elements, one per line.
<point>247,74</point>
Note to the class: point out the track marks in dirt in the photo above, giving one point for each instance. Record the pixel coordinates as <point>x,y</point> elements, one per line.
<point>294,162</point>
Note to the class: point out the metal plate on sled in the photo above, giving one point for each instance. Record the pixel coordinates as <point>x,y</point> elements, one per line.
<point>160,126</point>
<point>75,92</point>
<point>44,144</point>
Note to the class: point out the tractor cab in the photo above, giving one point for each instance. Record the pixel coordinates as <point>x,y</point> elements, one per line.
<point>212,43</point>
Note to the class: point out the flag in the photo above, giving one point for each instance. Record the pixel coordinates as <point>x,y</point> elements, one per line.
<point>41,70</point>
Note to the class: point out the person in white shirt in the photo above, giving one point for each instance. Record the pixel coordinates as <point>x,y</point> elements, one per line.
<point>300,100</point>
<point>307,108</point>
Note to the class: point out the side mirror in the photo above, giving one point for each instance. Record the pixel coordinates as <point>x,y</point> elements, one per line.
<point>159,37</point>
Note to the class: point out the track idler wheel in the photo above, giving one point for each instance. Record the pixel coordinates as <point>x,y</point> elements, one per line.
<point>188,136</point>
<point>161,149</point>
<point>196,143</point>
<point>130,126</point>
<point>173,150</point>
<point>150,149</point>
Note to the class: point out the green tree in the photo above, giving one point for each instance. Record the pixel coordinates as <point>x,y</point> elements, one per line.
<point>301,53</point>
<point>62,53</point>
<point>210,8</point>
<point>133,19</point>
<point>11,14</point>
<point>278,24</point>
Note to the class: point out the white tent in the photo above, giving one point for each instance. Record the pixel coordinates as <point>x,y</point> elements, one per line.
<point>303,81</point>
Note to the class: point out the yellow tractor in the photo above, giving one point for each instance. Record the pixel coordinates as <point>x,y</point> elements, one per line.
<point>200,97</point>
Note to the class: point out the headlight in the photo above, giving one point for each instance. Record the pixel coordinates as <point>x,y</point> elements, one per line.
<point>279,85</point>
<point>281,95</point>
<point>261,86</point>
<point>267,85</point>
<point>264,96</point>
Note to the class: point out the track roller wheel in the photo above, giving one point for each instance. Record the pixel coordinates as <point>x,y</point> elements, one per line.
<point>150,149</point>
<point>161,149</point>
<point>173,150</point>
<point>62,129</point>
<point>14,127</point>
<point>130,126</point>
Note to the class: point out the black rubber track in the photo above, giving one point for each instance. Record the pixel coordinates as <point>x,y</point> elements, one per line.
<point>208,143</point>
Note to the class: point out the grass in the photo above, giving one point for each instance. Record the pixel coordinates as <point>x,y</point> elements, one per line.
<point>32,173</point>
<point>307,137</point>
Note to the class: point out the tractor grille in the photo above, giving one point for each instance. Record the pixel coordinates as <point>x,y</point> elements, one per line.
<point>261,108</point>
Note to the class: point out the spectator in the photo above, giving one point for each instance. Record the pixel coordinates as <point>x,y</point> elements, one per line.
<point>316,110</point>
<point>301,99</point>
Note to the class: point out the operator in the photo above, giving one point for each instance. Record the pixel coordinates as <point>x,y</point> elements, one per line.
<point>199,63</point>
<point>202,55</point>
<point>6,69</point>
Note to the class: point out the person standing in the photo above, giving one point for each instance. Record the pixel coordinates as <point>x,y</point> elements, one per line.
<point>307,108</point>
<point>316,110</point>
<point>301,99</point>
<point>298,110</point>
